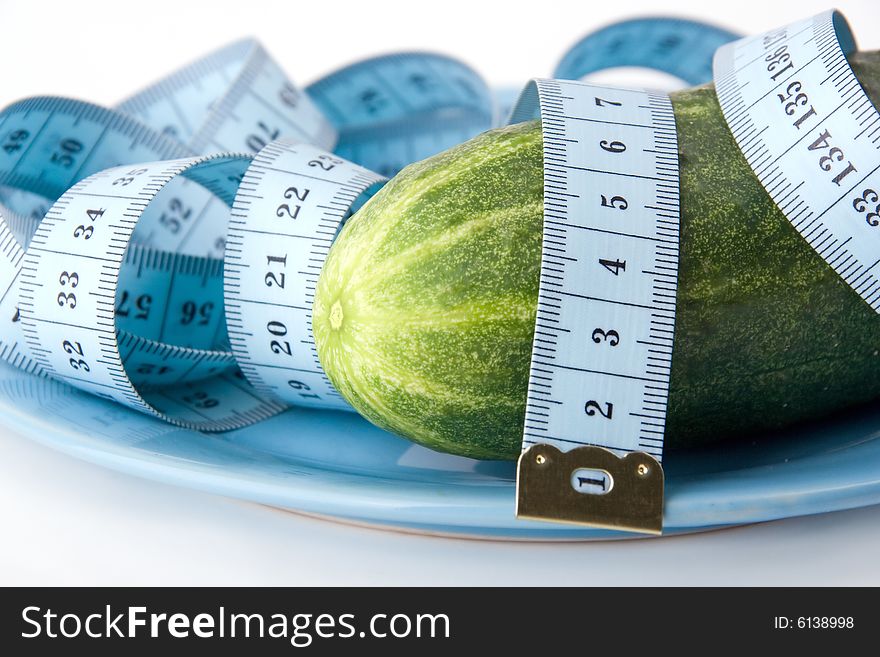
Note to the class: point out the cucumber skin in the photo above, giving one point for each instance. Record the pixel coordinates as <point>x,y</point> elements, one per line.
<point>767,334</point>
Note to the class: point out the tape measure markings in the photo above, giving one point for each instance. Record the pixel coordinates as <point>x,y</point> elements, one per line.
<point>253,74</point>
<point>94,348</point>
<point>121,138</point>
<point>26,166</point>
<point>399,86</point>
<point>192,81</point>
<point>403,100</point>
<point>194,288</point>
<point>601,356</point>
<point>256,77</point>
<point>10,265</point>
<point>382,106</point>
<point>282,168</point>
<point>777,156</point>
<point>298,114</point>
<point>151,363</point>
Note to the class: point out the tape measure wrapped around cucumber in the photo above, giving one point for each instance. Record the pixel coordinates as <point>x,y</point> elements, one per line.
<point>424,315</point>
<point>425,311</point>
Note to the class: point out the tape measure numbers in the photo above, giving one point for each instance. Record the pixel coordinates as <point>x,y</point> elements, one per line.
<point>120,289</point>
<point>287,212</point>
<point>811,135</point>
<point>677,46</point>
<point>199,107</point>
<point>152,330</point>
<point>602,351</point>
<point>69,291</point>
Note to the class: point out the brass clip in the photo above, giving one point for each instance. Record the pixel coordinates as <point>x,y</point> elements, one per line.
<point>591,486</point>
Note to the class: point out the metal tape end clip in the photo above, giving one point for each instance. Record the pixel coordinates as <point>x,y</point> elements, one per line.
<point>591,486</point>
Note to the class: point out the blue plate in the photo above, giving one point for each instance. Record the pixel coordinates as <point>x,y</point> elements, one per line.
<point>337,464</point>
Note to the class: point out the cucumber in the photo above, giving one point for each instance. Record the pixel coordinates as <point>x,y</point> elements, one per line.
<point>424,312</point>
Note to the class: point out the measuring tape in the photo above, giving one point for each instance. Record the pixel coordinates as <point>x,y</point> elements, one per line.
<point>675,46</point>
<point>397,109</point>
<point>288,209</point>
<point>120,289</point>
<point>144,311</point>
<point>811,135</point>
<point>602,349</point>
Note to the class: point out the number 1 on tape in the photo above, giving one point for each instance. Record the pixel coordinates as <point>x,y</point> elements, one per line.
<point>602,350</point>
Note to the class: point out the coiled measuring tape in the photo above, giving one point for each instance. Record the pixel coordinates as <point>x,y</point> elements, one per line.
<point>118,287</point>
<point>285,181</point>
<point>140,316</point>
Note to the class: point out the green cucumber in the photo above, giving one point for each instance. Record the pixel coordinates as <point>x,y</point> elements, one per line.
<point>424,312</point>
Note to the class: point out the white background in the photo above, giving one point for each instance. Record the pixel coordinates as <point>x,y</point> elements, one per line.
<point>67,522</point>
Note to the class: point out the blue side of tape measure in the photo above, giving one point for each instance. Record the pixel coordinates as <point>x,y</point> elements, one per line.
<point>677,46</point>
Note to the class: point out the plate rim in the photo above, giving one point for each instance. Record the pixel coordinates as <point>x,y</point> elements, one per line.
<point>488,514</point>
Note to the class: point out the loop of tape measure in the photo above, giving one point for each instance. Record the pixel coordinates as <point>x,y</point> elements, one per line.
<point>165,253</point>
<point>154,312</point>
